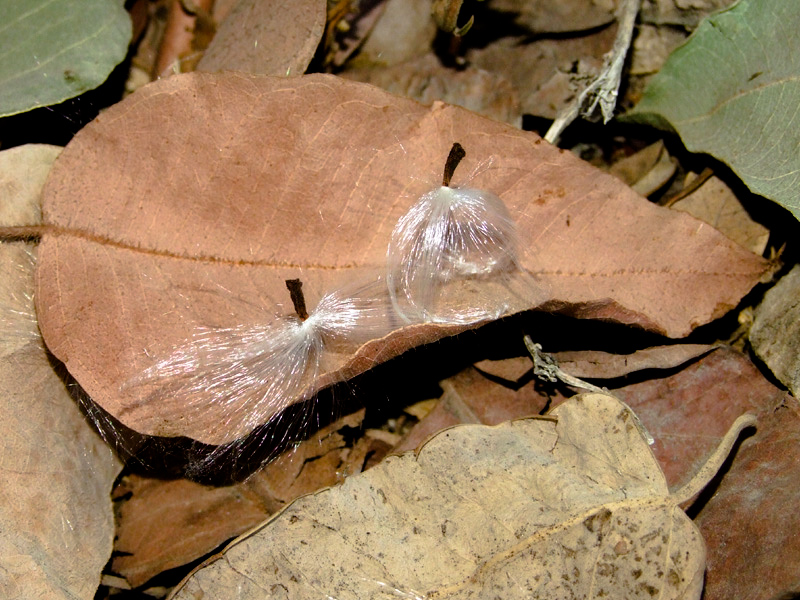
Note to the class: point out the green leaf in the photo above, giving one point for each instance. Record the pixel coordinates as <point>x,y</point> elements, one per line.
<point>52,50</point>
<point>733,91</point>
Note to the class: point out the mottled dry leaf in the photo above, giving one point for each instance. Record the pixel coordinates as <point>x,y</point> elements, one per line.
<point>574,506</point>
<point>716,204</point>
<point>267,37</point>
<point>775,334</point>
<point>189,203</point>
<point>56,525</point>
<point>166,524</point>
<point>750,524</point>
<point>425,79</point>
<point>542,71</point>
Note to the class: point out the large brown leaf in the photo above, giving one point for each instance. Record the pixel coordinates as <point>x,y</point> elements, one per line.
<point>189,204</point>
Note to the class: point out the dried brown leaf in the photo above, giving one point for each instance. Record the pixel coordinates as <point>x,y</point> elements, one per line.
<point>255,180</point>
<point>267,37</point>
<point>56,525</point>
<point>403,31</point>
<point>716,204</point>
<point>589,364</point>
<point>574,506</point>
<point>775,334</point>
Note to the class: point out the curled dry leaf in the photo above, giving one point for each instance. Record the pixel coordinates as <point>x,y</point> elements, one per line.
<point>570,506</point>
<point>192,201</point>
<point>56,524</point>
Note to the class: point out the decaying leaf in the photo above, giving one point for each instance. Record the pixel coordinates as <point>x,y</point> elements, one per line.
<point>680,12</point>
<point>775,334</point>
<point>23,171</point>
<point>269,38</point>
<point>689,412</point>
<point>255,180</point>
<point>56,524</point>
<point>570,506</point>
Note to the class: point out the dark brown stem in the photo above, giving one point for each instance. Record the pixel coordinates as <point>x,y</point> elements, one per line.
<point>456,154</point>
<point>295,287</point>
<point>22,232</point>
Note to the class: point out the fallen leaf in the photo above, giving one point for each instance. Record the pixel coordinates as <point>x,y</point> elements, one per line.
<point>716,204</point>
<point>776,330</point>
<point>403,31</point>
<point>256,180</point>
<point>725,92</point>
<point>750,523</point>
<point>652,46</point>
<point>23,171</point>
<point>592,364</point>
<point>56,523</point>
<point>267,37</point>
<point>84,41</point>
<point>570,506</point>
<point>471,397</point>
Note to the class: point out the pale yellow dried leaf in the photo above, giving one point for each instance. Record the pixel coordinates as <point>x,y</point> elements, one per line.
<point>568,506</point>
<point>56,522</point>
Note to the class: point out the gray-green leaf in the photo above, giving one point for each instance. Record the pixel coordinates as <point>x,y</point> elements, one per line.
<point>52,50</point>
<point>733,91</point>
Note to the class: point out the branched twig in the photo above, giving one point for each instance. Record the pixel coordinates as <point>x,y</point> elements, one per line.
<point>604,89</point>
<point>545,367</point>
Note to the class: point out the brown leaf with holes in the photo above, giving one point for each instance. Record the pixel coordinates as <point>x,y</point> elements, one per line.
<point>255,180</point>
